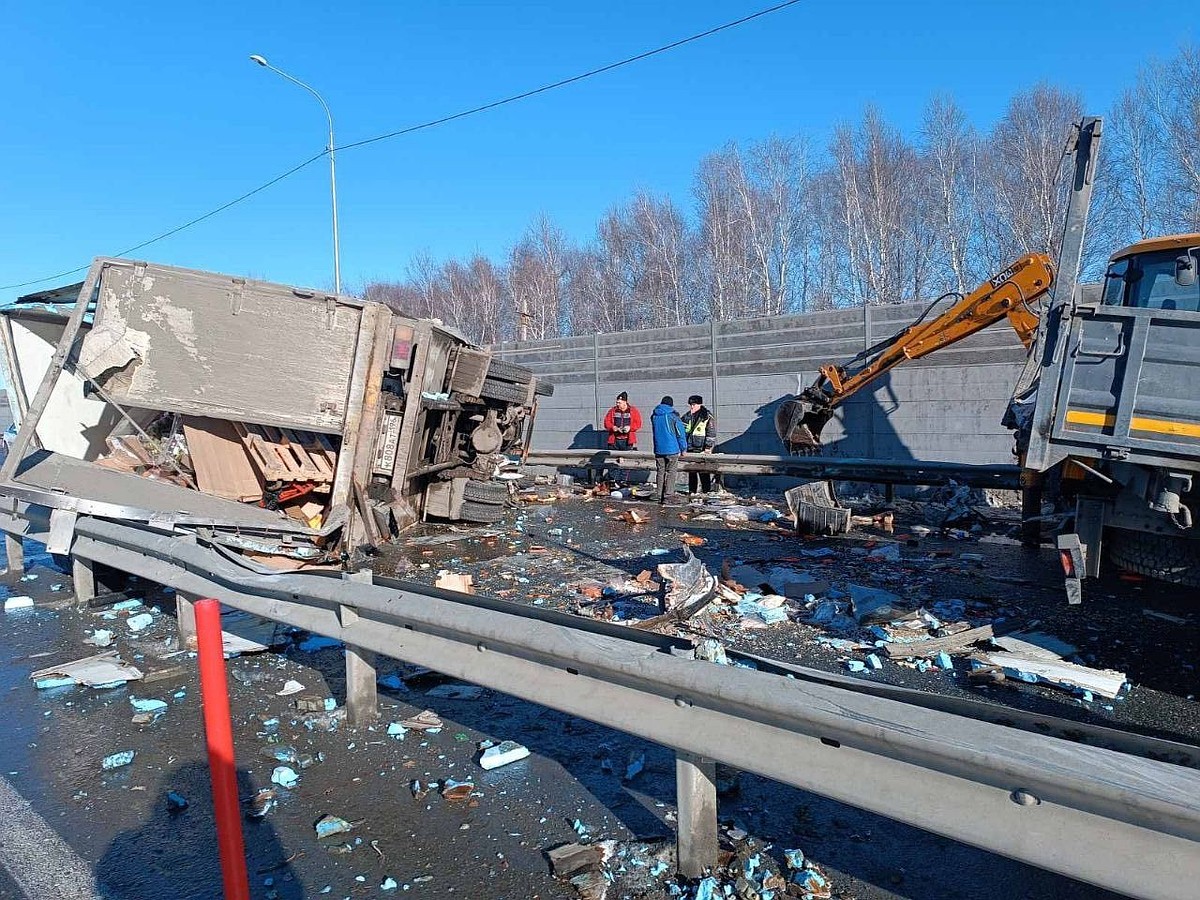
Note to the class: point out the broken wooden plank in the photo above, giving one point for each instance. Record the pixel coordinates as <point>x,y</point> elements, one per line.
<point>934,646</point>
<point>1032,669</point>
<point>1036,644</point>
<point>452,581</point>
<point>219,460</point>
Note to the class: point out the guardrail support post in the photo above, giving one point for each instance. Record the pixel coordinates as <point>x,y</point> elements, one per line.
<point>83,576</point>
<point>696,796</point>
<point>185,620</point>
<point>362,696</point>
<point>16,552</point>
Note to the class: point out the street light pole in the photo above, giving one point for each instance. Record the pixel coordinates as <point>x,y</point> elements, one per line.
<point>337,263</point>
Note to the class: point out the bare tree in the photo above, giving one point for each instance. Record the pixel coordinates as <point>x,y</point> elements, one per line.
<point>723,240</point>
<point>951,148</point>
<point>1156,160</point>
<point>659,235</point>
<point>774,229</point>
<point>536,278</point>
<point>885,230</point>
<point>772,188</point>
<point>1026,177</point>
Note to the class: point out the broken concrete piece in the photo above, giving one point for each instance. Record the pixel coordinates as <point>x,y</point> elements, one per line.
<point>290,687</point>
<point>11,604</point>
<point>285,776</point>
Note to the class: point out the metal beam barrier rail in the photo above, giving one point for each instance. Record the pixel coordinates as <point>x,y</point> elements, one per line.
<point>1115,820</point>
<point>875,471</point>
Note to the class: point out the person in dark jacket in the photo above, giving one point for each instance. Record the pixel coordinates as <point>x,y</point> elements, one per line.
<point>622,423</point>
<point>670,441</point>
<point>700,425</point>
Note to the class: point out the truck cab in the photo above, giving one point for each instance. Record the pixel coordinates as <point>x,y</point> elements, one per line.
<point>1159,273</point>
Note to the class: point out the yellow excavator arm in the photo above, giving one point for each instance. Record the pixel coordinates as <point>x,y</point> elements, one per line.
<point>1009,294</point>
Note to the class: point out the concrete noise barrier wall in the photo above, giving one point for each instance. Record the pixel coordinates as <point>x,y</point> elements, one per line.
<point>945,407</point>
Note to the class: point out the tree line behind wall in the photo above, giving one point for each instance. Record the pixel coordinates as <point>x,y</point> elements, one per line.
<point>783,226</point>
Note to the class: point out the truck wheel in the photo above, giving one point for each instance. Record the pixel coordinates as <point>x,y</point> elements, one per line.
<point>485,513</point>
<point>491,492</point>
<point>544,389</point>
<point>1165,557</point>
<point>506,371</point>
<point>503,390</point>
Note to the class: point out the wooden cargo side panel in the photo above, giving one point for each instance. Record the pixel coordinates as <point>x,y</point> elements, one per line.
<point>222,467</point>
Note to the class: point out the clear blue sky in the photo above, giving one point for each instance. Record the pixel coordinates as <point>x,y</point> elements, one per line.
<point>122,121</point>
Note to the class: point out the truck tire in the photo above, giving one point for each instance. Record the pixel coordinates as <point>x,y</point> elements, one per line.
<point>1165,557</point>
<point>490,492</point>
<point>504,390</point>
<point>506,371</point>
<point>544,389</point>
<point>484,513</point>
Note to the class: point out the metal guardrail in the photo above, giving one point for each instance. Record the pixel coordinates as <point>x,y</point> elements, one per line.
<point>1109,818</point>
<point>875,471</point>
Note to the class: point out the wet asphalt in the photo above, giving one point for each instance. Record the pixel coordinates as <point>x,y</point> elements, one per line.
<point>492,843</point>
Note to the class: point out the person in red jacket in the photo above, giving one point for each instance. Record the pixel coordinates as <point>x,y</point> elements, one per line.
<point>622,423</point>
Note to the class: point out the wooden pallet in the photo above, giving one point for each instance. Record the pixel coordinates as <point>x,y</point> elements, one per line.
<point>286,454</point>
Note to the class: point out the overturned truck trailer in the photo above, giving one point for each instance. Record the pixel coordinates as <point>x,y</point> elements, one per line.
<point>274,420</point>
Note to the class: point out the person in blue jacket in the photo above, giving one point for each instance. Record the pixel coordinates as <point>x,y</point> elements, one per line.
<point>670,442</point>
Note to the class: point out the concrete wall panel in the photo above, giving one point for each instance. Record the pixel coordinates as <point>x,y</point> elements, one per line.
<point>946,406</point>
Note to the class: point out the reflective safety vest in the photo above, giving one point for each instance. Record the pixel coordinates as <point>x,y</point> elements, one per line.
<point>701,429</point>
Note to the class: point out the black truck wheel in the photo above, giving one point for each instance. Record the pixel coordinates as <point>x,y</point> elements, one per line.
<point>491,492</point>
<point>544,389</point>
<point>503,390</point>
<point>485,513</point>
<point>506,371</point>
<point>1165,557</point>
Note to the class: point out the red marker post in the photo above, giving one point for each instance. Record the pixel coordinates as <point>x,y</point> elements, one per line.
<point>218,733</point>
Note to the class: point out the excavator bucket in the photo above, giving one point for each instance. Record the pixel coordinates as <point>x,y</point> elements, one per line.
<point>799,423</point>
<point>814,505</point>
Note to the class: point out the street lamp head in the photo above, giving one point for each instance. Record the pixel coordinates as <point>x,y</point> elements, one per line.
<point>258,59</point>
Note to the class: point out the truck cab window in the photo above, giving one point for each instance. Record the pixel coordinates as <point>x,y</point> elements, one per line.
<point>1151,283</point>
<point>1114,283</point>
